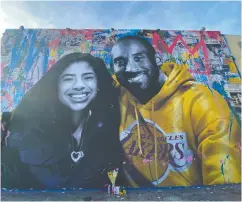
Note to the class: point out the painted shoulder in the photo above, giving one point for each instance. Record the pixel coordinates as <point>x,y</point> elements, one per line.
<point>203,95</point>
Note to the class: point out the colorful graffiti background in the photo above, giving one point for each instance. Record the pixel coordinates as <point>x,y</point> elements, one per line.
<point>28,54</point>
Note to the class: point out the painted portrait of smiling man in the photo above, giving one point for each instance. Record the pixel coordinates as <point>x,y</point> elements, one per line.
<point>168,118</point>
<point>135,64</point>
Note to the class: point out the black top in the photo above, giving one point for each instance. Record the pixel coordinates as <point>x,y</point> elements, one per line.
<point>35,159</point>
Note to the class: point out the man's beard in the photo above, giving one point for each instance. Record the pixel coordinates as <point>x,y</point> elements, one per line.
<point>143,94</point>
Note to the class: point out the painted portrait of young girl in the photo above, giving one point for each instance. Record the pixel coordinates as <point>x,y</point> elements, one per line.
<point>65,131</point>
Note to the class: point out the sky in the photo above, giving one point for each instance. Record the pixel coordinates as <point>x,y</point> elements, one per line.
<point>219,16</point>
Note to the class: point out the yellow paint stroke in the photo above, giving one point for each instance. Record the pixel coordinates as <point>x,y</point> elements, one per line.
<point>53,53</point>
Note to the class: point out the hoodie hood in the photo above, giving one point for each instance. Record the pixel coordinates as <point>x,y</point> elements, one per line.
<point>177,75</point>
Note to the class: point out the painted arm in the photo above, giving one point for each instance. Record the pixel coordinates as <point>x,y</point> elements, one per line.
<point>218,133</point>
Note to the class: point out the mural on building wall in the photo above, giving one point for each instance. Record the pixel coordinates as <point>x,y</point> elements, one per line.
<point>162,106</point>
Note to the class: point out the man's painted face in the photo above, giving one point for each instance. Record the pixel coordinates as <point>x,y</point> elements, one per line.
<point>132,65</point>
<point>77,86</point>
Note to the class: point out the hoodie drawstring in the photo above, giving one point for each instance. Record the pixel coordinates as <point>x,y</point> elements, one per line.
<point>155,138</point>
<point>154,133</point>
<point>137,118</point>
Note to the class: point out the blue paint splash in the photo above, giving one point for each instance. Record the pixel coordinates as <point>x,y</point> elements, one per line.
<point>32,53</point>
<point>220,88</point>
<point>15,55</point>
<point>46,59</point>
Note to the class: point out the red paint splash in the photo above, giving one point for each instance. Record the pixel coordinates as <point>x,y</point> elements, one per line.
<point>54,44</point>
<point>156,39</point>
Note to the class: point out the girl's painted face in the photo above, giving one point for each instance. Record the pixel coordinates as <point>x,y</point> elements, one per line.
<point>78,86</point>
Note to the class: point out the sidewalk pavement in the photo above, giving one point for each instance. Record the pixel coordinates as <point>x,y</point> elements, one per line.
<point>204,193</point>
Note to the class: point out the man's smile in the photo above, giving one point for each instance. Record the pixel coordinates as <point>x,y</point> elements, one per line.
<point>135,77</point>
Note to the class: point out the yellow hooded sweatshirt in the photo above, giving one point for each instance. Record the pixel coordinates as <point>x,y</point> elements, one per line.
<point>185,135</point>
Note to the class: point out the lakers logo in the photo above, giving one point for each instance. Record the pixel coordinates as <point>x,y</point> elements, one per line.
<point>171,150</point>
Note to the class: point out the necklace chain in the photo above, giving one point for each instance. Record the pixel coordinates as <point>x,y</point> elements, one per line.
<point>79,151</point>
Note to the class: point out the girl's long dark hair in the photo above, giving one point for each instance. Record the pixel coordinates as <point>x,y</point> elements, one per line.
<point>41,107</point>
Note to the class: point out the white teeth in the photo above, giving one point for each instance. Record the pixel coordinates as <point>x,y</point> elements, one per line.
<point>136,78</point>
<point>79,95</point>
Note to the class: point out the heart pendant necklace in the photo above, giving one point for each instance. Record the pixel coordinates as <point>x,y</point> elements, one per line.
<point>78,154</point>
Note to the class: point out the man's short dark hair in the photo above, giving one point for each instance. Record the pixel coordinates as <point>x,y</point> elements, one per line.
<point>150,49</point>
